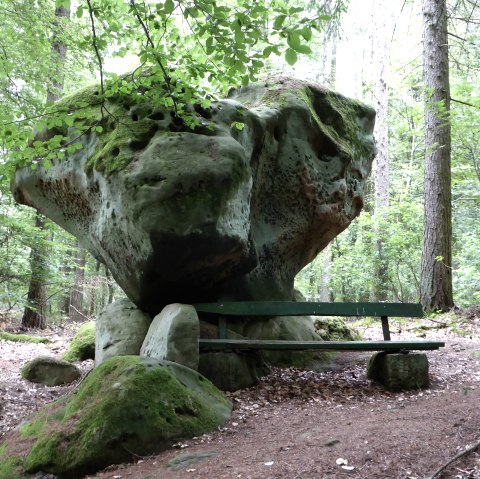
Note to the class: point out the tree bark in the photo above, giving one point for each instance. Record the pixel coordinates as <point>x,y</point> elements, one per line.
<point>436,268</point>
<point>76,310</point>
<point>34,313</point>
<point>381,55</point>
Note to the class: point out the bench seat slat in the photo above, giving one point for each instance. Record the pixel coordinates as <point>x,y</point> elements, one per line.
<point>292,308</point>
<point>253,344</point>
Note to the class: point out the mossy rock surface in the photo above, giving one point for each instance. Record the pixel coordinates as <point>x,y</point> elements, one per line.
<point>50,371</point>
<point>211,213</point>
<point>335,329</point>
<point>82,346</point>
<point>129,406</point>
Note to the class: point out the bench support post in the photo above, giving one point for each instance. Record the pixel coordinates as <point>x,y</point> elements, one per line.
<point>222,327</point>
<point>385,328</point>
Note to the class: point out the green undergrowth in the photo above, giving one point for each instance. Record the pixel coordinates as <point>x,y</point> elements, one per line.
<point>26,338</point>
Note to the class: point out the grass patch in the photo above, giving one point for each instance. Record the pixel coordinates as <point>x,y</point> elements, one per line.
<point>26,338</point>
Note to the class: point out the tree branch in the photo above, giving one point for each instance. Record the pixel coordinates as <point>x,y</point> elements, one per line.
<point>465,103</point>
<point>455,458</point>
<point>97,54</point>
<point>165,74</point>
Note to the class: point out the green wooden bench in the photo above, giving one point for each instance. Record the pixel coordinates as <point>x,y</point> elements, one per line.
<point>228,311</point>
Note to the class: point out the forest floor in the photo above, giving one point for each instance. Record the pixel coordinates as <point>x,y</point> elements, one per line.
<point>296,424</point>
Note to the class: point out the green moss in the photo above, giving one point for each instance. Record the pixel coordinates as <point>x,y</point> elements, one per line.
<point>128,405</point>
<point>10,468</point>
<point>82,346</point>
<point>43,453</point>
<point>32,428</point>
<point>335,329</point>
<point>118,144</point>
<point>10,465</point>
<point>22,337</point>
<point>126,127</point>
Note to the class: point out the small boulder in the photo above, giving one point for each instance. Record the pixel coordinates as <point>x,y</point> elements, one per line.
<point>120,331</point>
<point>400,371</point>
<point>173,335</point>
<point>50,371</point>
<point>82,346</point>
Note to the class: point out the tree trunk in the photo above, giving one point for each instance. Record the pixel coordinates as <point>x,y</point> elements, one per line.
<point>33,315</point>
<point>95,286</point>
<point>436,269</point>
<point>381,55</point>
<point>76,297</point>
<point>110,286</point>
<point>324,290</point>
<point>34,312</point>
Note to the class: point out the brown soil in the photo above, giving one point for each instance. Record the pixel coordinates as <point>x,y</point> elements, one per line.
<point>302,424</point>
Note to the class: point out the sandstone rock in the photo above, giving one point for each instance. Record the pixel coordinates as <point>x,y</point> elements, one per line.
<point>182,215</point>
<point>82,346</point>
<point>129,406</point>
<point>399,371</point>
<point>50,371</point>
<point>173,335</point>
<point>293,328</point>
<point>230,371</point>
<point>121,330</point>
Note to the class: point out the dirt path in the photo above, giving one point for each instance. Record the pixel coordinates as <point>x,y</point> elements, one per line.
<point>306,425</point>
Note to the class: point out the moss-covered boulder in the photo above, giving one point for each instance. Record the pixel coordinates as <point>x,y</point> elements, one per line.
<point>335,329</point>
<point>129,406</point>
<point>50,371</point>
<point>82,346</point>
<point>292,328</point>
<point>214,212</point>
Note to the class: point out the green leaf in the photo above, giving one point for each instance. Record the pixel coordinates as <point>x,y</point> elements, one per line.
<point>278,22</point>
<point>291,56</point>
<point>293,10</point>
<point>306,33</point>
<point>238,125</point>
<point>305,49</point>
<point>169,7</point>
<point>267,51</point>
<point>294,42</point>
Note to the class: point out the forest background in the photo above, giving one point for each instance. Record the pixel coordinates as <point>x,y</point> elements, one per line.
<point>370,50</point>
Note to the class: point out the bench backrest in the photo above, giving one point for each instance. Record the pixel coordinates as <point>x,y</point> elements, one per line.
<point>293,308</point>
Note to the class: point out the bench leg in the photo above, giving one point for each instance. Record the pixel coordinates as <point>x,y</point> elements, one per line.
<point>385,328</point>
<point>222,327</point>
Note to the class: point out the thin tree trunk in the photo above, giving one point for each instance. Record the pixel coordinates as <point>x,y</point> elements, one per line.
<point>76,297</point>
<point>34,313</point>
<point>324,291</point>
<point>110,287</point>
<point>381,55</point>
<point>436,272</point>
<point>94,289</point>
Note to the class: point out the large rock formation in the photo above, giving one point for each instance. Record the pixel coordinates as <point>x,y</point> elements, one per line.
<point>217,212</point>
